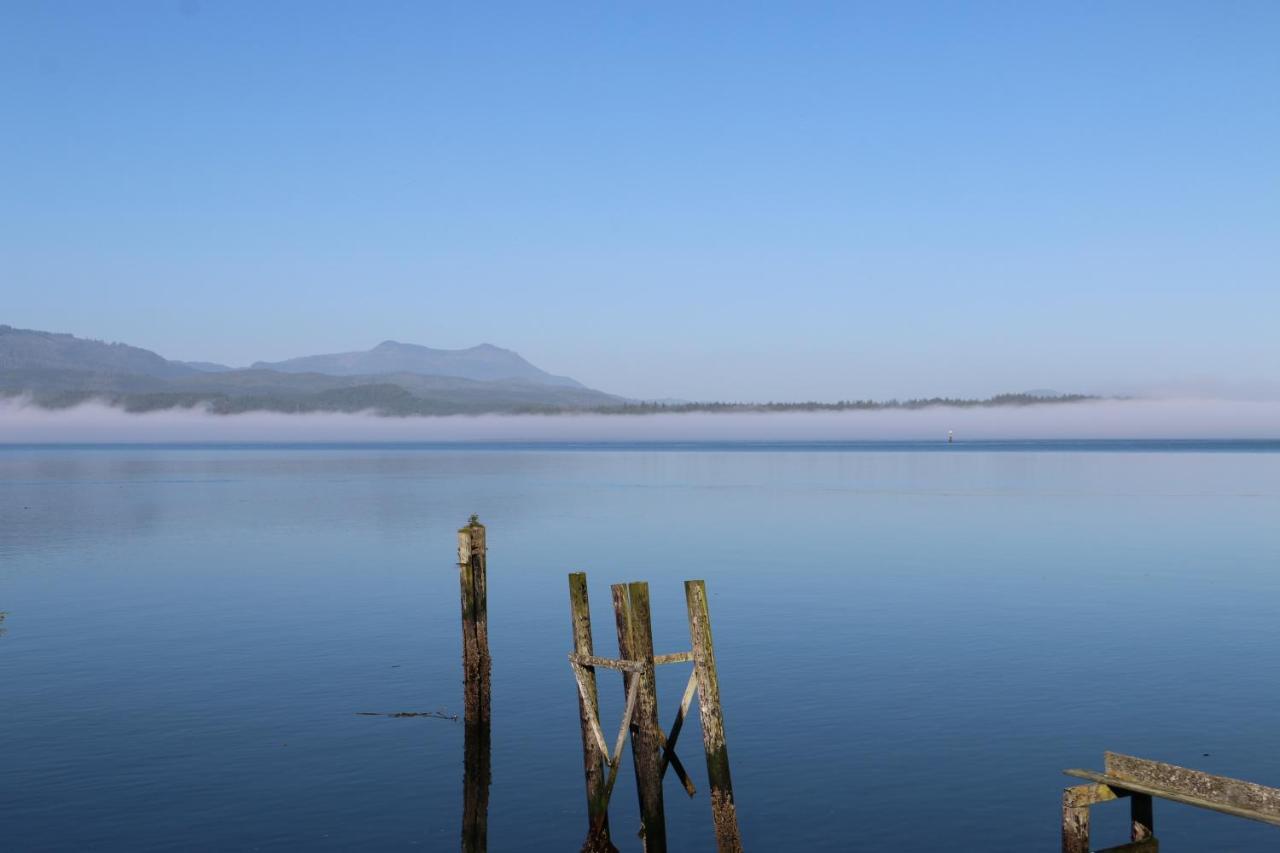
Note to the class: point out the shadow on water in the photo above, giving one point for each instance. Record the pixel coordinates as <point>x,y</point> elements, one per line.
<point>475,789</point>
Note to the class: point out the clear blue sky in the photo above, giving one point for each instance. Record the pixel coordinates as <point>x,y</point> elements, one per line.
<point>741,201</point>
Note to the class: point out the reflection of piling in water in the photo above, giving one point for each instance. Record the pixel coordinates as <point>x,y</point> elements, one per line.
<point>475,790</point>
<point>475,668</point>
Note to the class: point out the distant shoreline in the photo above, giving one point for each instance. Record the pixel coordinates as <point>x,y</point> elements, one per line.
<point>1085,445</point>
<point>405,405</point>
<point>1087,420</point>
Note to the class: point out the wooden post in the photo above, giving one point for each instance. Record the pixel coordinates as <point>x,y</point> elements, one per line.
<point>724,812</point>
<point>475,622</point>
<point>1075,820</point>
<point>635,642</point>
<point>1075,814</point>
<point>1141,817</point>
<point>593,759</point>
<point>475,690</point>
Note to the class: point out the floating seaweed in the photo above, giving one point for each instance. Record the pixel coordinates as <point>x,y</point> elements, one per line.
<point>439,715</point>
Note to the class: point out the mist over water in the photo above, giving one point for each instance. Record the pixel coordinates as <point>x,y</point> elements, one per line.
<point>1104,419</point>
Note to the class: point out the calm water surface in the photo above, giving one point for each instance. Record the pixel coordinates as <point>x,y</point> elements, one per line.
<point>913,642</point>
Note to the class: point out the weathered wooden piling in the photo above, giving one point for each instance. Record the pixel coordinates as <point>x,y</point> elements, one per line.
<point>652,750</point>
<point>635,643</point>
<point>1076,801</point>
<point>476,664</point>
<point>594,758</point>
<point>724,812</point>
<point>475,691</point>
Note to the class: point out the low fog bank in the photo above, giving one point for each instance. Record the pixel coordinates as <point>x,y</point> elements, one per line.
<point>92,423</point>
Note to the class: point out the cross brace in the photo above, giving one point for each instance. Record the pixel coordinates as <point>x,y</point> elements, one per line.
<point>613,758</point>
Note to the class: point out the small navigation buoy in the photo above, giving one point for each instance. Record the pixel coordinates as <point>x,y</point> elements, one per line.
<point>951,437</point>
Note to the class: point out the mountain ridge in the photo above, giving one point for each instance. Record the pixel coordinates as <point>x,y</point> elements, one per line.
<point>481,362</point>
<point>57,369</point>
<point>32,348</point>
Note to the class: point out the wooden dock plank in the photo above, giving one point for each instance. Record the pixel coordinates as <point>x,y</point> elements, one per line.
<point>1173,796</point>
<point>1222,790</point>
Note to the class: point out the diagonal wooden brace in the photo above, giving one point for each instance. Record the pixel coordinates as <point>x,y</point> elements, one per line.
<point>613,756</point>
<point>669,748</point>
<point>593,713</point>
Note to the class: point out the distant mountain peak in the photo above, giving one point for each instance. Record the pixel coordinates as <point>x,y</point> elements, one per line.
<point>207,366</point>
<point>483,362</point>
<point>401,345</point>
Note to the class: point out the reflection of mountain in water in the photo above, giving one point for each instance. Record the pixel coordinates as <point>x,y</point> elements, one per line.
<point>60,501</point>
<point>72,500</point>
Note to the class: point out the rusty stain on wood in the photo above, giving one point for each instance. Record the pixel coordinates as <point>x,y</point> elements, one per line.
<point>1088,795</point>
